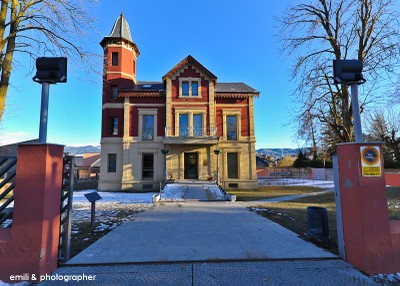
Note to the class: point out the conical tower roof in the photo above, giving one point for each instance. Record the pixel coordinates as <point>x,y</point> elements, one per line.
<point>121,29</point>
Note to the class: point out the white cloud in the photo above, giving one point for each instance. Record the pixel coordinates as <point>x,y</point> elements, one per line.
<point>13,137</point>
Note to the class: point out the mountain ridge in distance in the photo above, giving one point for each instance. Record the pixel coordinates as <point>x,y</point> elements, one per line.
<point>73,150</point>
<point>279,152</point>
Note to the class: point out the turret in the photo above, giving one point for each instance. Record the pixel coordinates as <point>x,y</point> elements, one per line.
<point>120,52</point>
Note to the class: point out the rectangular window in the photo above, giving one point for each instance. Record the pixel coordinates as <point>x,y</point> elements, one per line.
<point>189,87</point>
<point>148,127</point>
<point>114,126</point>
<point>148,166</point>
<point>185,88</point>
<point>112,163</point>
<point>231,127</point>
<point>233,170</point>
<point>195,88</point>
<point>198,125</point>
<point>114,92</point>
<point>183,125</point>
<point>114,57</point>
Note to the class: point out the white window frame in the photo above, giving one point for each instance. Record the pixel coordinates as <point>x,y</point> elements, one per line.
<point>147,111</point>
<point>190,80</point>
<point>236,113</point>
<point>190,112</point>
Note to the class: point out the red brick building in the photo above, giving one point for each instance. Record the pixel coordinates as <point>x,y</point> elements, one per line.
<point>188,113</point>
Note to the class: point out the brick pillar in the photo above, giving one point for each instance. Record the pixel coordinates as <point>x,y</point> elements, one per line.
<point>366,227</point>
<point>31,245</point>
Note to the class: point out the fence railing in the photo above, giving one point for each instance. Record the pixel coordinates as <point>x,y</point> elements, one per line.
<point>190,132</point>
<point>7,185</point>
<point>294,176</point>
<point>66,208</point>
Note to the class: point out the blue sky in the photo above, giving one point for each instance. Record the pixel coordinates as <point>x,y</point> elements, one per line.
<point>234,39</point>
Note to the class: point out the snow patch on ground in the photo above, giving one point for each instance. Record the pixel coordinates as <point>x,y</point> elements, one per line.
<point>214,192</point>
<point>113,209</point>
<point>388,279</point>
<point>115,197</point>
<point>173,192</point>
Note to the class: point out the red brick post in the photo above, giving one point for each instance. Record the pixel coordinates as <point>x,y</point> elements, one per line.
<point>31,245</point>
<point>368,235</point>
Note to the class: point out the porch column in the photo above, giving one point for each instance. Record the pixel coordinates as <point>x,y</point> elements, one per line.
<point>168,106</point>
<point>181,170</point>
<point>127,166</point>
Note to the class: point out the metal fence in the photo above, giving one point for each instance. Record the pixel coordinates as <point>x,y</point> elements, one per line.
<point>7,185</point>
<point>294,176</point>
<point>66,209</point>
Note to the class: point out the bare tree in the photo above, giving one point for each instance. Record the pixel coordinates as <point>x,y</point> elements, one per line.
<point>384,125</point>
<point>319,31</point>
<point>307,130</point>
<point>41,27</point>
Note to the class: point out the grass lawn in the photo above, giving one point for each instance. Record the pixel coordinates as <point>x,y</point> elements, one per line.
<point>269,192</point>
<point>293,214</point>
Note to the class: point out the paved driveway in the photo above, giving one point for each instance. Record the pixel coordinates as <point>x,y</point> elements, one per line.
<point>198,231</point>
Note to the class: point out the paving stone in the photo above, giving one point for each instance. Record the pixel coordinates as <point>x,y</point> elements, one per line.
<point>288,272</point>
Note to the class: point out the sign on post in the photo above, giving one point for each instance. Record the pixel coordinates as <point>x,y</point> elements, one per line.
<point>92,198</point>
<point>370,161</point>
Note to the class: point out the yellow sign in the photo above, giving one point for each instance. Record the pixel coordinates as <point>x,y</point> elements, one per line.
<point>370,161</point>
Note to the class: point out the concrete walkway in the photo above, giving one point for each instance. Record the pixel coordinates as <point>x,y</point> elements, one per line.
<point>198,231</point>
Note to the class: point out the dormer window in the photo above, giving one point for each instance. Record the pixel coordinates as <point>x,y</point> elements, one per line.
<point>189,87</point>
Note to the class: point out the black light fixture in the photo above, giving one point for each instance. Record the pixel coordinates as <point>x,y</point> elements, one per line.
<point>51,70</point>
<point>349,72</point>
<point>48,71</point>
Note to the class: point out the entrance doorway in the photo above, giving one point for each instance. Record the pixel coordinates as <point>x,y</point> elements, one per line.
<point>191,166</point>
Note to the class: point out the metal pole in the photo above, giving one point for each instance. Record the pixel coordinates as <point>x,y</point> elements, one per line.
<point>165,162</point>
<point>218,169</point>
<point>356,113</point>
<point>44,111</point>
<point>93,214</point>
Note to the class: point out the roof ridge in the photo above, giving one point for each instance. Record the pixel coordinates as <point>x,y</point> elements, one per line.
<point>187,61</point>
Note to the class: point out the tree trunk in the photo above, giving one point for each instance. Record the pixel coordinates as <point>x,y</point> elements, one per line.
<point>7,61</point>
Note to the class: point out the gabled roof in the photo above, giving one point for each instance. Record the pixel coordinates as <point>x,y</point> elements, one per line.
<point>189,60</point>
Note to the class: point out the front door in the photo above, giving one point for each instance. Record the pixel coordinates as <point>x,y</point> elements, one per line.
<point>191,166</point>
